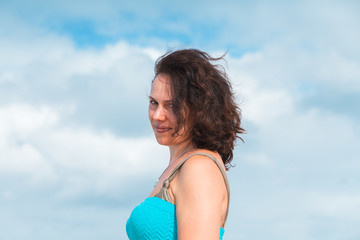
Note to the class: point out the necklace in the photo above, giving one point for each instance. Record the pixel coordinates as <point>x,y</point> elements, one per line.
<point>187,149</point>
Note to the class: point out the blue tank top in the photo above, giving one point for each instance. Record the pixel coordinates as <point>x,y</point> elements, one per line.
<point>155,218</point>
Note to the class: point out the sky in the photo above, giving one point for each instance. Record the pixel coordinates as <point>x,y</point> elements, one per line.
<point>77,153</point>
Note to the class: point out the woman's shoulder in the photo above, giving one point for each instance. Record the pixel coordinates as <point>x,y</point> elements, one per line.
<point>203,158</point>
<point>200,172</point>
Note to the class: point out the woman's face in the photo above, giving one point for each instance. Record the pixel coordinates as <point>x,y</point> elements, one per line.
<point>161,115</point>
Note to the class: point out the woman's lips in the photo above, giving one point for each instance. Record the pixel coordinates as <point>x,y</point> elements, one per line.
<point>162,129</point>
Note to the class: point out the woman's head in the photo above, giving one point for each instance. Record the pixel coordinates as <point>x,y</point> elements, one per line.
<point>202,101</point>
<point>162,116</point>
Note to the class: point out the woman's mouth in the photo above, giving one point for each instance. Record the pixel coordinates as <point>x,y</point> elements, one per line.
<point>162,129</point>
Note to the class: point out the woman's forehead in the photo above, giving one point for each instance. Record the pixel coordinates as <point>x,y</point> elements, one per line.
<point>161,87</point>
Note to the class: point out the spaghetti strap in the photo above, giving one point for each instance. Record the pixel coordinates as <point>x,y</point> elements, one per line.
<point>164,194</point>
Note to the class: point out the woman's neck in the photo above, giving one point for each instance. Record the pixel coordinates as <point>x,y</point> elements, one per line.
<point>178,150</point>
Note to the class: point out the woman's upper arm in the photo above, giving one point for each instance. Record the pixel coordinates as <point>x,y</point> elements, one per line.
<point>199,194</point>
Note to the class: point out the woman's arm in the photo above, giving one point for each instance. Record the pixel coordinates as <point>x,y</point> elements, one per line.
<point>200,195</point>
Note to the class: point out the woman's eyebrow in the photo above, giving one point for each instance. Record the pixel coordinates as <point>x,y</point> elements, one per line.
<point>152,98</point>
<point>165,101</point>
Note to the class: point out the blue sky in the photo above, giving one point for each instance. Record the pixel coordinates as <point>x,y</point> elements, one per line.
<point>76,149</point>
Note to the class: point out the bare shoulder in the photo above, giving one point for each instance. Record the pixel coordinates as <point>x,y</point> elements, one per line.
<point>201,175</point>
<point>203,165</point>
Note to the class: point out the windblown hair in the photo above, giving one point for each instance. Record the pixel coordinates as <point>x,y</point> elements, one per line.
<point>202,89</point>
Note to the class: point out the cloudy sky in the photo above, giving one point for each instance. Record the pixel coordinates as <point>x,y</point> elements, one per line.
<point>76,149</point>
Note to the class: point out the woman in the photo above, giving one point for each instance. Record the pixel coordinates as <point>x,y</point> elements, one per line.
<point>192,111</point>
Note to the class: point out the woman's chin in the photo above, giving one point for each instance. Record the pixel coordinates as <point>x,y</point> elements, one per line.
<point>162,141</point>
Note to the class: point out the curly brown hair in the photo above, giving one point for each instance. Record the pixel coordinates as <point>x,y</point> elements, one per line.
<point>205,90</point>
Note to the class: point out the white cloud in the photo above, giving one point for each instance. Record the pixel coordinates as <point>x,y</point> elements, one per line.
<point>63,110</point>
<point>295,156</point>
<point>17,155</point>
<point>35,145</point>
<point>287,138</point>
<point>339,71</point>
<point>264,106</point>
<point>60,106</point>
<point>93,82</point>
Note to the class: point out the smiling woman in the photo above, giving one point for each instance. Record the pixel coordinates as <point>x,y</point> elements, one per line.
<point>193,112</point>
<point>161,115</point>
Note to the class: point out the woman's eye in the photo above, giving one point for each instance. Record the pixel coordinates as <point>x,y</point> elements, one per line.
<point>170,107</point>
<point>152,102</point>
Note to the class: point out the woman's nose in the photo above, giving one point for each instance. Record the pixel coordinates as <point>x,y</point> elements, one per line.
<point>159,114</point>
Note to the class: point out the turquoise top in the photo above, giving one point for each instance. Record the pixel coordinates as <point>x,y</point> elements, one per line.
<point>155,218</point>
